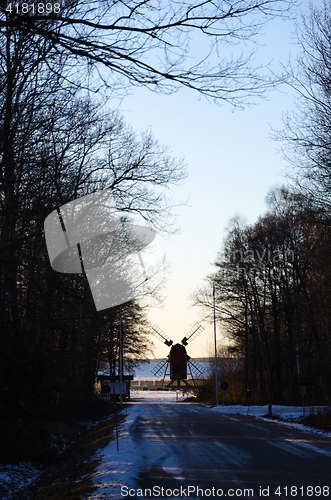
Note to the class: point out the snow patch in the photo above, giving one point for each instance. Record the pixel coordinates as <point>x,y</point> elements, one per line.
<point>285,412</point>
<point>14,478</point>
<point>138,396</point>
<point>117,468</point>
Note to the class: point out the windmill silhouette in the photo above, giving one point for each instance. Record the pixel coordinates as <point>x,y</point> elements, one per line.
<point>178,360</point>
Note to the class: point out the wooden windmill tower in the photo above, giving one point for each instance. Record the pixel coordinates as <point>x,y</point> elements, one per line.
<point>178,362</point>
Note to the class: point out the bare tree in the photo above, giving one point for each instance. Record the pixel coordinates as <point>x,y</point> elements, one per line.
<point>306,134</point>
<point>56,144</point>
<point>155,43</point>
<point>272,296</point>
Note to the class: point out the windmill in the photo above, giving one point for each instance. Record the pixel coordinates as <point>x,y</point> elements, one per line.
<point>178,359</point>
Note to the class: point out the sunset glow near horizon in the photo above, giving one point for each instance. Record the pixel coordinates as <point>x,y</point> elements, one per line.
<point>232,163</point>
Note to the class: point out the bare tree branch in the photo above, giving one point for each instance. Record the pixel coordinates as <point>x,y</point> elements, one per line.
<point>160,44</point>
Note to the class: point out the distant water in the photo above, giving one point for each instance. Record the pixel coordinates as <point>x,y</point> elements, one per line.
<point>144,370</point>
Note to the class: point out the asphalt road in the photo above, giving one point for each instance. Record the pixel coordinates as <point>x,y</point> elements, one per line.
<point>207,454</point>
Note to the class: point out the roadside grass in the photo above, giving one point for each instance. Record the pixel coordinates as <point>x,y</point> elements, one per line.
<point>320,419</point>
<point>69,476</point>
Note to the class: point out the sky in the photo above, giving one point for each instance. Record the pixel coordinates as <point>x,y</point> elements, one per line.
<point>232,163</point>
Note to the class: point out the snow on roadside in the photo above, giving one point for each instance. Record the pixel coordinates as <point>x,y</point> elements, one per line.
<point>288,414</point>
<point>152,396</point>
<point>117,468</point>
<point>16,477</point>
<point>136,452</point>
<point>138,396</point>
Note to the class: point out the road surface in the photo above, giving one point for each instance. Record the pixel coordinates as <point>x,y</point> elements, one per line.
<point>194,452</point>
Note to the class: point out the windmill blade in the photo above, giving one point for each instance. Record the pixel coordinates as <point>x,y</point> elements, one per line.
<point>196,368</point>
<point>160,367</point>
<point>193,333</point>
<point>159,334</point>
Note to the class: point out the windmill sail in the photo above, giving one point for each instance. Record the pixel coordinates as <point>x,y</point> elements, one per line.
<point>192,334</point>
<point>160,367</point>
<point>159,334</point>
<point>195,368</point>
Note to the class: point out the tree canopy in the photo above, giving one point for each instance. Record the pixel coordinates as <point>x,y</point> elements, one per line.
<point>306,134</point>
<point>272,299</point>
<point>162,44</point>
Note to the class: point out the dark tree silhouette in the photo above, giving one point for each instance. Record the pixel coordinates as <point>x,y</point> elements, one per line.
<point>272,297</point>
<point>159,44</point>
<point>57,144</point>
<point>306,134</point>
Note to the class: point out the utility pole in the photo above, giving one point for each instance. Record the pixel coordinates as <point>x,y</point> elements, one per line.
<point>216,377</point>
<point>121,357</point>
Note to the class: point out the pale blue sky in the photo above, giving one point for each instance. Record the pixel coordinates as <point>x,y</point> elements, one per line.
<point>232,163</point>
